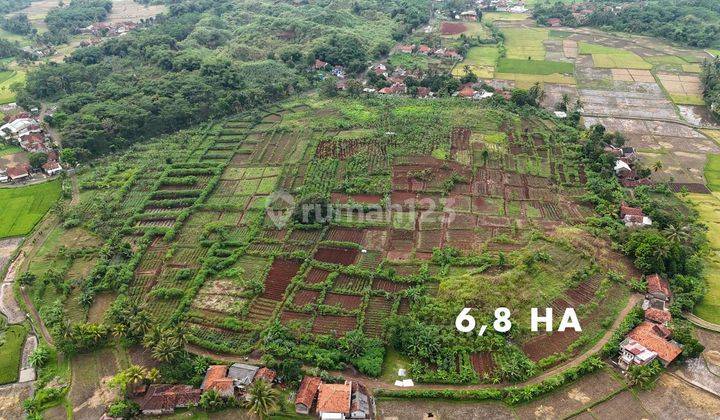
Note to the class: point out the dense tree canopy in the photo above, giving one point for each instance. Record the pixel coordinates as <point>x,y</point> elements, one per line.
<point>204,59</point>
<point>693,22</point>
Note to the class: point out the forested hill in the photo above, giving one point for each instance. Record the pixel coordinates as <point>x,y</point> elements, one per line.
<point>694,23</point>
<point>208,58</point>
<point>9,6</point>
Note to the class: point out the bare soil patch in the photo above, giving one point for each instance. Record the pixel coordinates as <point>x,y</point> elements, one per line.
<point>452,28</point>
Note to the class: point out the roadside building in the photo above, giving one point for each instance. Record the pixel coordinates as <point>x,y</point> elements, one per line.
<point>18,173</point>
<point>242,374</point>
<point>656,338</point>
<point>307,394</point>
<point>333,401</point>
<point>164,399</point>
<point>52,167</point>
<point>216,379</point>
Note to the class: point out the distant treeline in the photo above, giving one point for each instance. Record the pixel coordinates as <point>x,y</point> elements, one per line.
<point>208,58</point>
<point>692,22</point>
<point>9,6</point>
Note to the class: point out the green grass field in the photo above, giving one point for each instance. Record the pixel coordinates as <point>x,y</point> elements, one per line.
<point>481,60</point>
<point>613,58</point>
<point>6,95</point>
<point>510,65</point>
<point>525,42</point>
<point>11,352</point>
<point>712,172</point>
<point>8,149</point>
<point>493,16</point>
<point>474,29</point>
<point>409,61</point>
<point>21,208</point>
<point>708,206</point>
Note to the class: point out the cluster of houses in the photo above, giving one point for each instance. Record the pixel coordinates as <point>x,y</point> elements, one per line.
<point>23,130</point>
<point>422,49</point>
<point>502,6</point>
<point>626,159</point>
<point>651,340</point>
<point>226,381</point>
<point>349,400</point>
<point>108,29</point>
<point>634,216</point>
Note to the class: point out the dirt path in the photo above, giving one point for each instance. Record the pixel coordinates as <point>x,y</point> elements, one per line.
<point>634,300</point>
<point>228,358</point>
<point>8,305</point>
<point>701,322</point>
<point>75,190</point>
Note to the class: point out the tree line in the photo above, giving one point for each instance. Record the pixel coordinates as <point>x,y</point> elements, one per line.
<point>695,22</point>
<point>194,63</point>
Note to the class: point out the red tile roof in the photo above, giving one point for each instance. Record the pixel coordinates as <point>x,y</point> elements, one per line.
<point>334,398</point>
<point>214,373</point>
<point>653,337</point>
<point>265,373</point>
<point>168,397</point>
<point>51,165</point>
<point>467,92</point>
<point>308,390</point>
<point>656,284</point>
<point>17,172</point>
<point>632,211</point>
<point>657,315</point>
<point>319,64</point>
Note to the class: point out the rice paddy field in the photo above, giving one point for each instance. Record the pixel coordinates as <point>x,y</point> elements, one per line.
<point>609,57</point>
<point>6,81</point>
<point>525,43</point>
<point>708,205</point>
<point>481,60</point>
<point>22,207</point>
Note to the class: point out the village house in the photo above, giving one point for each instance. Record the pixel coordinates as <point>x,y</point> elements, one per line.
<point>424,49</point>
<point>633,216</point>
<point>320,65</point>
<point>164,399</point>
<point>379,69</point>
<point>359,402</point>
<point>242,374</point>
<point>350,400</point>
<point>658,293</point>
<point>658,316</point>
<point>4,176</point>
<point>656,338</point>
<point>333,402</point>
<point>18,173</point>
<point>18,126</point>
<point>634,353</point>
<point>554,22</point>
<point>231,381</point>
<point>469,16</point>
<point>307,394</point>
<point>52,167</point>
<point>404,48</point>
<point>216,379</point>
<point>396,88</point>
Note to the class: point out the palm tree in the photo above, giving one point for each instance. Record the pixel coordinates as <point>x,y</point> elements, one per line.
<point>657,166</point>
<point>166,350</point>
<point>153,375</point>
<point>677,235</point>
<point>135,374</point>
<point>263,398</point>
<point>119,330</point>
